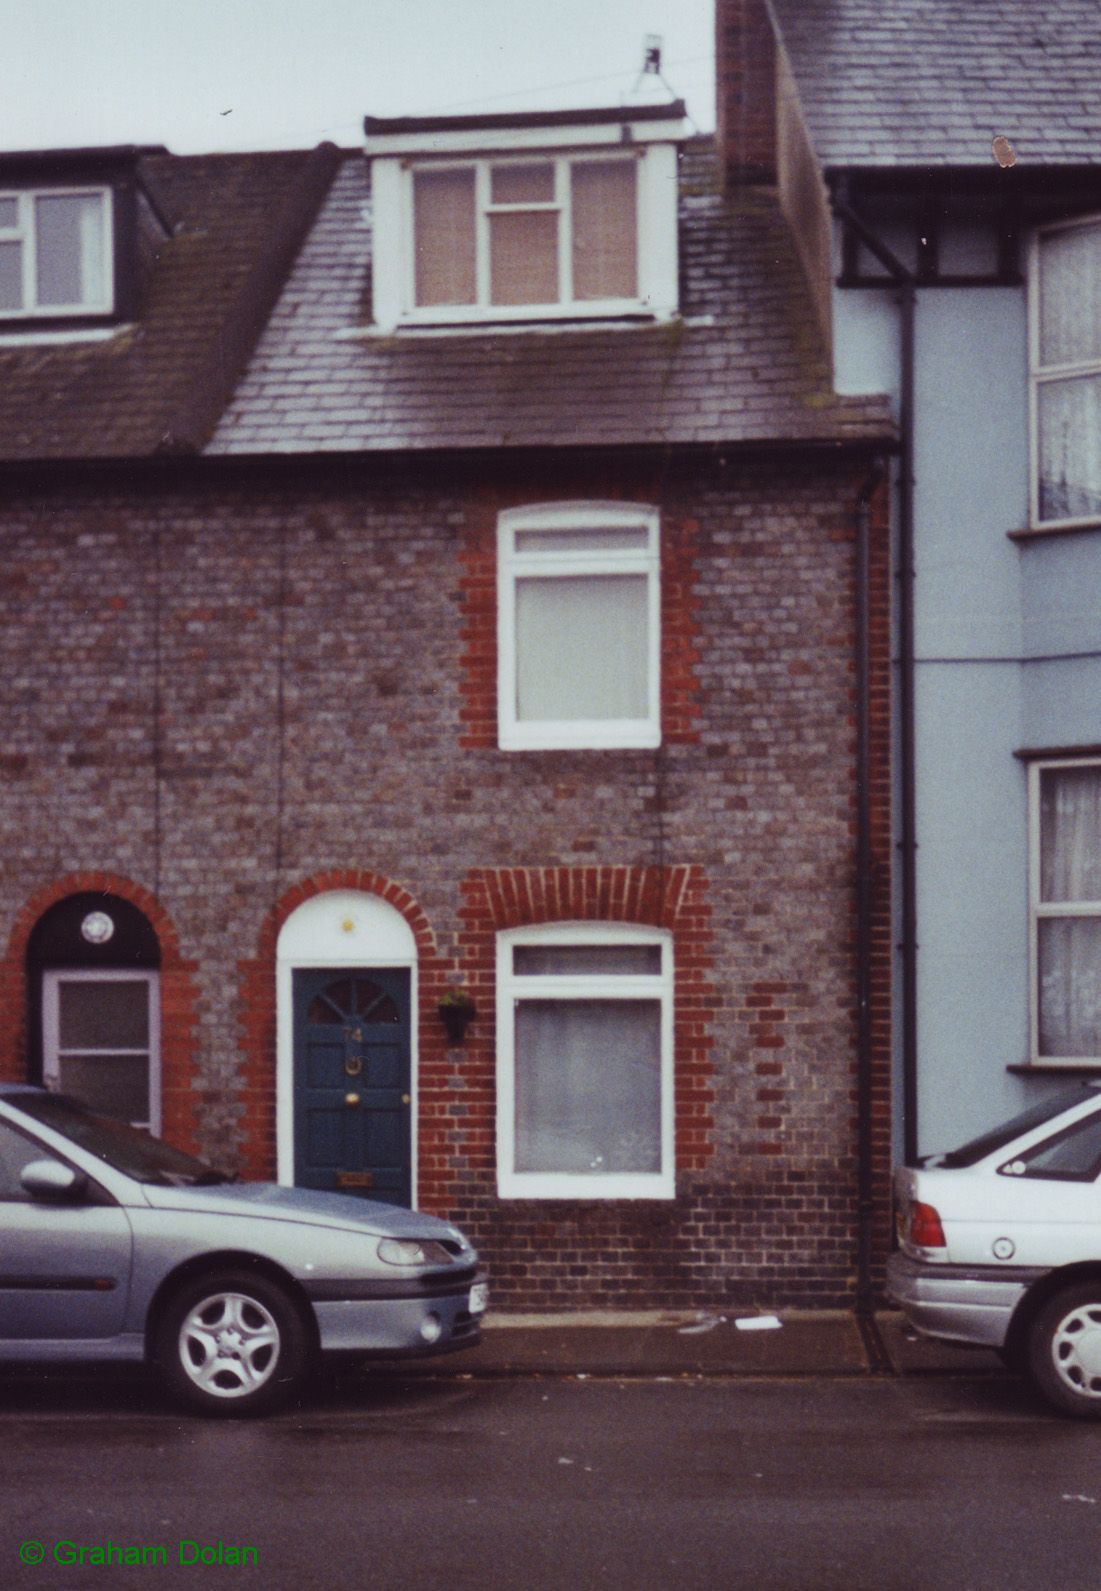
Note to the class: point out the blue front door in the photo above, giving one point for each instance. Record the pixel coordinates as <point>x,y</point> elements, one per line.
<point>352,1072</point>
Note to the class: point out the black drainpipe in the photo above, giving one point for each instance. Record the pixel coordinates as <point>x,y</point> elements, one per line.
<point>865,883</point>
<point>904,280</point>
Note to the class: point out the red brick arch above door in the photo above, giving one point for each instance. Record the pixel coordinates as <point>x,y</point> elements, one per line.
<point>258,1036</point>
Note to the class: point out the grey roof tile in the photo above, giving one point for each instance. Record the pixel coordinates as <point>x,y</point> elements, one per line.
<point>932,82</point>
<point>158,385</point>
<point>745,364</point>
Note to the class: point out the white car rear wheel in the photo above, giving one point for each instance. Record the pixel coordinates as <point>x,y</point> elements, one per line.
<point>1065,1351</point>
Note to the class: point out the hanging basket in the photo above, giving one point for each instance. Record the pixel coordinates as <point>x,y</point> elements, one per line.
<point>456,1016</point>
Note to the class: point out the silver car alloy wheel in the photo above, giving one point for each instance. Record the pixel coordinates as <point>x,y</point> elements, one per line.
<point>1076,1350</point>
<point>229,1345</point>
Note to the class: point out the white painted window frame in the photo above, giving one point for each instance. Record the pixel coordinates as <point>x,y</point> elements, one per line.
<point>1040,909</point>
<point>512,565</point>
<point>51,1035</point>
<point>513,987</point>
<point>393,265</point>
<point>1040,375</point>
<point>25,232</point>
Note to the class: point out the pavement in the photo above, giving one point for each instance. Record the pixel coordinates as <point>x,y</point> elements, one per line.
<point>698,1343</point>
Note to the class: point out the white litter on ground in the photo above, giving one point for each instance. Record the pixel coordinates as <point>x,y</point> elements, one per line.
<point>759,1323</point>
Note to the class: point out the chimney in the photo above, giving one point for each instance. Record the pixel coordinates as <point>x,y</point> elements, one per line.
<point>745,66</point>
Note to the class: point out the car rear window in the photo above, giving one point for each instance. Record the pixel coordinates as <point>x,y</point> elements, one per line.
<point>988,1143</point>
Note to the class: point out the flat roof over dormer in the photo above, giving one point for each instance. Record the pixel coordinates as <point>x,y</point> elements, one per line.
<point>401,135</point>
<point>40,162</point>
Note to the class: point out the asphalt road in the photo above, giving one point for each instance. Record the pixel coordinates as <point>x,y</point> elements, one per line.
<point>858,1483</point>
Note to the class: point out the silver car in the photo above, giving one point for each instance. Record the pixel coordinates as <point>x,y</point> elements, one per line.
<point>115,1246</point>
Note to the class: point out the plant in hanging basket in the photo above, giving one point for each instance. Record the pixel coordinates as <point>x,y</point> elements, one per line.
<point>457,1011</point>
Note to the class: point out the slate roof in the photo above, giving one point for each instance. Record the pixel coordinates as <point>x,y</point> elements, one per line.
<point>745,362</point>
<point>159,384</point>
<point>932,82</point>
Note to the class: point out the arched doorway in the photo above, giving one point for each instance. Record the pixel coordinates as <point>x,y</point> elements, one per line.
<point>346,1046</point>
<point>93,981</point>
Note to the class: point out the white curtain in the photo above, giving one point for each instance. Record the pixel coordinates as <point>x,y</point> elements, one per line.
<point>588,1086</point>
<point>1070,296</point>
<point>1070,448</point>
<point>1070,947</point>
<point>11,276</point>
<point>605,229</point>
<point>582,648</point>
<point>1070,410</point>
<point>443,221</point>
<point>70,245</point>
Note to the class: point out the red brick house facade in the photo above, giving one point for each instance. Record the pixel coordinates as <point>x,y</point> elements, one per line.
<point>253,668</point>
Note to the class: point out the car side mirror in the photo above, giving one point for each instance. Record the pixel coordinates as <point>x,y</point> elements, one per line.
<point>49,1179</point>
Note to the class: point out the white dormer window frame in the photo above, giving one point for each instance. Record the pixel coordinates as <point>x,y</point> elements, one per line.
<point>553,194</point>
<point>25,245</point>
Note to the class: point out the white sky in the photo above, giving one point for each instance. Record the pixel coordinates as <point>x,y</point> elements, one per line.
<point>202,75</point>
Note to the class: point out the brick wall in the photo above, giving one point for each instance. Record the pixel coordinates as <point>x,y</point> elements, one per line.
<point>745,75</point>
<point>233,697</point>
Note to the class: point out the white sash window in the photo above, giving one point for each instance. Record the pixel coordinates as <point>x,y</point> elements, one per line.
<point>1066,372</point>
<point>585,1062</point>
<point>101,1041</point>
<point>579,627</point>
<point>1066,912</point>
<point>55,252</point>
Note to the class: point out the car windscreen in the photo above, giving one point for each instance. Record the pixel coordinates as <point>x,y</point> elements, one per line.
<point>116,1143</point>
<point>988,1143</point>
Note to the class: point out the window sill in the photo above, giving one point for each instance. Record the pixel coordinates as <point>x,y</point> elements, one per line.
<point>1042,532</point>
<point>1056,1069</point>
<point>14,334</point>
<point>584,1196</point>
<point>414,331</point>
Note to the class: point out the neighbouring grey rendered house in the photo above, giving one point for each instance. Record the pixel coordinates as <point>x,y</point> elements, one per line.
<point>941,161</point>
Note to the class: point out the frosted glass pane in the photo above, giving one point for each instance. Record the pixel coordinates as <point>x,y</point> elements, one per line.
<point>107,1015</point>
<point>622,959</point>
<point>1070,987</point>
<point>524,257</point>
<point>1070,834</point>
<point>588,1086</point>
<point>582,540</point>
<point>69,231</point>
<point>443,220</point>
<point>604,229</point>
<point>11,276</point>
<point>1070,295</point>
<point>527,184</point>
<point>582,648</point>
<point>9,212</point>
<point>1070,448</point>
<point>117,1085</point>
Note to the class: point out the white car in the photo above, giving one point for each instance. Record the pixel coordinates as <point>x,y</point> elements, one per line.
<point>1000,1246</point>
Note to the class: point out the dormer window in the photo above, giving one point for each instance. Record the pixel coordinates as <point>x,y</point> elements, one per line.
<point>540,217</point>
<point>503,233</point>
<point>55,252</point>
